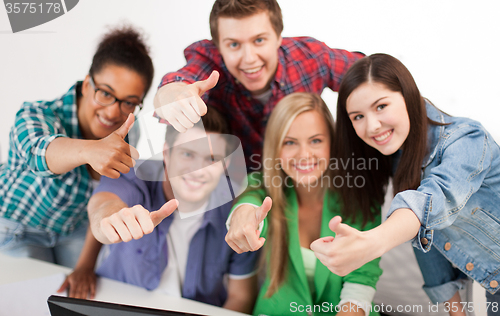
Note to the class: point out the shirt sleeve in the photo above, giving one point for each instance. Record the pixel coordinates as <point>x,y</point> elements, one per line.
<point>124,187</point>
<point>34,129</point>
<point>358,294</point>
<point>464,160</point>
<point>243,265</point>
<point>338,62</point>
<point>201,59</point>
<point>253,195</point>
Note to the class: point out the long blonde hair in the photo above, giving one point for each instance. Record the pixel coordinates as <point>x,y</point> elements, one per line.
<point>278,125</point>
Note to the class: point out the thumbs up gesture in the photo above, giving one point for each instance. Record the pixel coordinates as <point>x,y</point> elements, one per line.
<point>134,222</point>
<point>243,234</point>
<point>181,104</point>
<point>111,155</point>
<point>347,251</point>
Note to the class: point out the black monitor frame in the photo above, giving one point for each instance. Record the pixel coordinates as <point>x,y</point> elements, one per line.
<point>66,306</point>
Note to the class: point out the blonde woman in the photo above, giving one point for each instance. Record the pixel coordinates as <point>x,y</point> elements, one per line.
<point>296,175</point>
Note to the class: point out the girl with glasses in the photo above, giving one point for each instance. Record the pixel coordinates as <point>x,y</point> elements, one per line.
<point>60,148</point>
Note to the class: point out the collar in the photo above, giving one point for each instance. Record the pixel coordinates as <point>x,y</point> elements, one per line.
<point>434,132</point>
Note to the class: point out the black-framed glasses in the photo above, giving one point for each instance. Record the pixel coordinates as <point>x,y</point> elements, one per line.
<point>105,98</point>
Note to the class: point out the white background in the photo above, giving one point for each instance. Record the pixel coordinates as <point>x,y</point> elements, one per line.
<point>449,46</point>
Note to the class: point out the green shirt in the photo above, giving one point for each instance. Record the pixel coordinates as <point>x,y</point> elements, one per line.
<point>295,296</point>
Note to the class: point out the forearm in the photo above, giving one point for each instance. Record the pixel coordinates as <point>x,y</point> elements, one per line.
<point>102,205</point>
<point>90,251</point>
<point>401,226</point>
<point>239,304</point>
<point>241,295</point>
<point>65,154</point>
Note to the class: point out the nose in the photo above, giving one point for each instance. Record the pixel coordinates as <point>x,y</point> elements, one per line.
<point>304,153</point>
<point>374,124</point>
<point>197,171</point>
<point>113,111</point>
<point>249,54</point>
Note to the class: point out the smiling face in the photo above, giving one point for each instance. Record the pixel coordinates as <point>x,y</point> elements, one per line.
<point>249,48</point>
<point>305,152</point>
<point>97,121</point>
<point>379,116</point>
<point>191,171</point>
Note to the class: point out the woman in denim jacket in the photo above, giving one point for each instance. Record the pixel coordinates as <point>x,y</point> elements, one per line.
<point>445,171</point>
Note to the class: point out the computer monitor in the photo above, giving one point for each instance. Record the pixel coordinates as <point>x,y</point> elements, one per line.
<point>66,306</point>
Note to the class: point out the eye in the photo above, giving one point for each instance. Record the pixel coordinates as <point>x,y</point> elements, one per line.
<point>186,154</point>
<point>316,141</point>
<point>129,105</point>
<point>233,45</point>
<point>105,94</point>
<point>260,40</point>
<point>357,117</point>
<point>381,107</point>
<point>288,143</point>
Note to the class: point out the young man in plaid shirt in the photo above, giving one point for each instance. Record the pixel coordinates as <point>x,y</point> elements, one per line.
<point>249,67</point>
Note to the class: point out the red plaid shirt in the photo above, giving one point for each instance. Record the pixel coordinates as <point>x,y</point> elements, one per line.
<point>305,65</point>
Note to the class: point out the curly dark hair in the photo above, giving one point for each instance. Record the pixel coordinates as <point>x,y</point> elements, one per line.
<point>124,46</point>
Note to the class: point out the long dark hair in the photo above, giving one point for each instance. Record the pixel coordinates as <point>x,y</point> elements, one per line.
<point>390,72</point>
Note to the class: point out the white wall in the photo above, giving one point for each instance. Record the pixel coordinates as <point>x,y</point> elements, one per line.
<point>449,46</point>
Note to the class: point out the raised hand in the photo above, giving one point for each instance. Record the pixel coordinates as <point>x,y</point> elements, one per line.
<point>351,248</point>
<point>244,234</point>
<point>347,251</point>
<point>134,222</point>
<point>111,155</point>
<point>181,104</point>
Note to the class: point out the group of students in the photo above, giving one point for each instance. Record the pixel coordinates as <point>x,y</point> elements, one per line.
<point>321,241</point>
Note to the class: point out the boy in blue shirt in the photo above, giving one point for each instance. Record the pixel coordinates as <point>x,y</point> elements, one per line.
<point>186,254</point>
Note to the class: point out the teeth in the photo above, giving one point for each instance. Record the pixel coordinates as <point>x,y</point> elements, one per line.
<point>304,167</point>
<point>193,183</point>
<point>252,70</point>
<point>383,136</point>
<point>105,122</point>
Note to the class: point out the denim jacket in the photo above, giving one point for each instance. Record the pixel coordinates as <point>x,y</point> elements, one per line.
<point>458,200</point>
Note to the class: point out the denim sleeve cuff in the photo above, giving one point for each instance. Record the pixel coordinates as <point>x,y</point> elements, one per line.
<point>420,204</point>
<point>443,292</point>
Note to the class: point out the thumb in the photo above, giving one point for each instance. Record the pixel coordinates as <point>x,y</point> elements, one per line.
<point>164,212</point>
<point>335,223</point>
<point>262,211</point>
<point>123,130</point>
<point>207,84</point>
<point>338,227</point>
